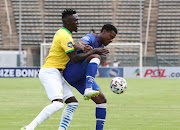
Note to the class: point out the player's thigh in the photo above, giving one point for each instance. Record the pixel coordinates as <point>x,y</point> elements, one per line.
<point>75,71</point>
<point>80,85</point>
<point>52,82</point>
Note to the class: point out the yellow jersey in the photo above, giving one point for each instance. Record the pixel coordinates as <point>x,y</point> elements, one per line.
<point>62,44</point>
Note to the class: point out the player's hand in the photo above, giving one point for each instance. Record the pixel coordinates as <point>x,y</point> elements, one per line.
<point>87,48</point>
<point>101,51</point>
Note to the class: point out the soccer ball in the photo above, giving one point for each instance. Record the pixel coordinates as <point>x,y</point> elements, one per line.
<point>118,85</point>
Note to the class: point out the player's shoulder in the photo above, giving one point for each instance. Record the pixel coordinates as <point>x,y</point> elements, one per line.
<point>92,35</point>
<point>63,31</point>
<point>88,37</point>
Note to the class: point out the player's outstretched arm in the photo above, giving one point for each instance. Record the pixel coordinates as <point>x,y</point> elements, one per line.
<point>80,57</point>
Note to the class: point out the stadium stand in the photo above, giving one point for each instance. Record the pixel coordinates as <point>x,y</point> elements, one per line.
<point>31,21</point>
<point>127,55</point>
<point>127,20</point>
<point>168,30</point>
<point>92,14</point>
<point>42,18</point>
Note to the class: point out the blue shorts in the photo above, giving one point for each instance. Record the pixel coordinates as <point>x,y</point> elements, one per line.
<point>75,75</point>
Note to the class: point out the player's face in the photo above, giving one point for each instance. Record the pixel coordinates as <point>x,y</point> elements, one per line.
<point>74,22</point>
<point>108,36</point>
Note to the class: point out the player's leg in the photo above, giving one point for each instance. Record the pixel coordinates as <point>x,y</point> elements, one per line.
<point>52,81</point>
<point>93,62</point>
<point>100,101</point>
<point>69,110</point>
<point>75,72</point>
<point>101,104</point>
<point>100,110</point>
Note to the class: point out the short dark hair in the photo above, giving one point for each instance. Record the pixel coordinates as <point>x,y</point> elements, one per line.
<point>68,12</point>
<point>109,27</point>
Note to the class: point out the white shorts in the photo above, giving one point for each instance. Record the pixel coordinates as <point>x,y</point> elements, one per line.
<point>54,84</point>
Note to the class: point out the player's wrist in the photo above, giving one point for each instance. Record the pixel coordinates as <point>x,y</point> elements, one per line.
<point>93,51</point>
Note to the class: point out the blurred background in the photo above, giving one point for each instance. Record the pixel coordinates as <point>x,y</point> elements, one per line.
<point>155,24</point>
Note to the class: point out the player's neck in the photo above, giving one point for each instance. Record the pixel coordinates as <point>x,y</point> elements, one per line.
<point>99,38</point>
<point>67,28</point>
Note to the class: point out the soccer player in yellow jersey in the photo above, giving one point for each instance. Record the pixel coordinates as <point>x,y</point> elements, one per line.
<point>58,91</point>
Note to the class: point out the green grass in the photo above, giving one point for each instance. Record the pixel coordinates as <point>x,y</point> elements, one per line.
<point>148,104</point>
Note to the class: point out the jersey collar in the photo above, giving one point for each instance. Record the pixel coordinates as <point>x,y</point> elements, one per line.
<point>66,30</point>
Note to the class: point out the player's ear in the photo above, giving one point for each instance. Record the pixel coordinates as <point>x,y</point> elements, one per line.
<point>67,21</point>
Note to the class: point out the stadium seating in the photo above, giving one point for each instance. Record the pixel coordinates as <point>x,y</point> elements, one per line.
<point>42,18</point>
<point>92,15</point>
<point>31,21</point>
<point>168,30</point>
<point>128,23</point>
<point>127,55</point>
<point>127,20</point>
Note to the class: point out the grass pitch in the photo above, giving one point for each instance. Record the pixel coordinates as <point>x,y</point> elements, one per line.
<point>148,104</point>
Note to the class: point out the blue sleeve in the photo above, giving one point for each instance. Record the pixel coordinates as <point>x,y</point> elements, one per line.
<point>89,39</point>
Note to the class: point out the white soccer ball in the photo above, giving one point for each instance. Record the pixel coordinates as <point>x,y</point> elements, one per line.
<point>118,85</point>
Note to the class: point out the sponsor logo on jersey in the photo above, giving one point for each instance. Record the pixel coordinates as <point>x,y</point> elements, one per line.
<point>86,38</point>
<point>70,44</point>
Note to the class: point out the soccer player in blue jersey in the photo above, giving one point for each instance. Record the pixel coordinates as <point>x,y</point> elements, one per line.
<point>81,75</point>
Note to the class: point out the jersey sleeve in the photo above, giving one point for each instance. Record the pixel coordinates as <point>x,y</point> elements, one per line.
<point>89,39</point>
<point>67,44</point>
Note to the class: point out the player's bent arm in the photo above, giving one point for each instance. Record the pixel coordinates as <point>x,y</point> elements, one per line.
<point>80,57</point>
<point>79,45</point>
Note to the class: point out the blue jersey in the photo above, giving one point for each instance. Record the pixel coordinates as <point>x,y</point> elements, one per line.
<point>91,39</point>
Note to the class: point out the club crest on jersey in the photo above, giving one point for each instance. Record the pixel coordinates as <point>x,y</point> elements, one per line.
<point>70,44</point>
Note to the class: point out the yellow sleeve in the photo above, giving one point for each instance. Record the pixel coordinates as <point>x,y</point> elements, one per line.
<point>67,44</point>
